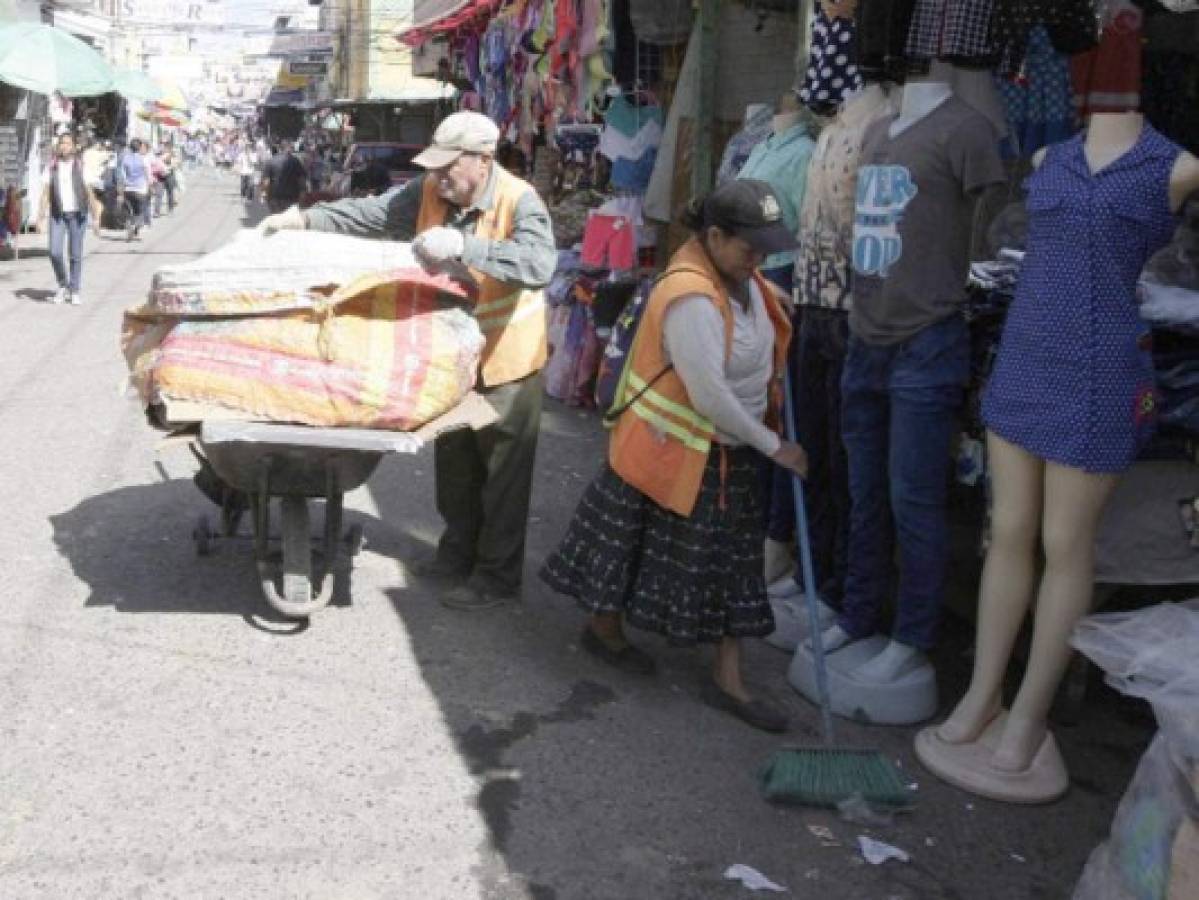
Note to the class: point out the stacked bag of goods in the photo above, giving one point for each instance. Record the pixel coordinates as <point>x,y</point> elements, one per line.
<point>307,328</point>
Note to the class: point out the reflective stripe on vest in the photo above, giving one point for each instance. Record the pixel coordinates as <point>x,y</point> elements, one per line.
<point>679,421</point>
<point>513,321</point>
<point>508,310</point>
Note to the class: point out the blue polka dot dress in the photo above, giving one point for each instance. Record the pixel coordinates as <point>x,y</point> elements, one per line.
<point>1073,379</point>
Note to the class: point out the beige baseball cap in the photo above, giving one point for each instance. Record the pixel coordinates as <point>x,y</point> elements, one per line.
<point>461,132</point>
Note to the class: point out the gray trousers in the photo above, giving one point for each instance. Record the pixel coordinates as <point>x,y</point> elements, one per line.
<point>483,482</point>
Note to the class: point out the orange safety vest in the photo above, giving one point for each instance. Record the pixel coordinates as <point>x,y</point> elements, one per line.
<point>660,444</point>
<point>512,318</point>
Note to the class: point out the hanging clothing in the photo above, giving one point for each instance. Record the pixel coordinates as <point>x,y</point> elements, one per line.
<point>832,71</point>
<point>609,242</point>
<point>1171,97</point>
<point>1072,26</point>
<point>882,28</point>
<point>826,217</point>
<point>1073,382</point>
<point>1107,79</point>
<point>782,162</point>
<point>741,144</point>
<point>958,32</point>
<point>1039,106</point>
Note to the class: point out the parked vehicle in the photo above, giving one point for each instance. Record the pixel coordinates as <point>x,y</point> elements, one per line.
<point>396,158</point>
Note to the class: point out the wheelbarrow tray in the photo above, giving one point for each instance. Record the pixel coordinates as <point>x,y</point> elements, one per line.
<point>301,458</point>
<point>265,460</point>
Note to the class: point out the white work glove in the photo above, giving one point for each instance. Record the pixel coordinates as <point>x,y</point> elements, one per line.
<point>291,219</point>
<point>438,246</point>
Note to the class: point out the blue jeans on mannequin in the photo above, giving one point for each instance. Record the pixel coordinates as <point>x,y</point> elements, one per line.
<point>68,227</point>
<point>899,407</point>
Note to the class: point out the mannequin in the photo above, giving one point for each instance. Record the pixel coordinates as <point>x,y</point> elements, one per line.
<point>906,366</point>
<point>920,98</point>
<point>1013,756</point>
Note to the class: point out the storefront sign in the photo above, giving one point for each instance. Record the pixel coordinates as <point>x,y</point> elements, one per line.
<point>302,67</point>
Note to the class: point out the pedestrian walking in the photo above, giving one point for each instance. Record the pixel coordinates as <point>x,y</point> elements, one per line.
<point>158,177</point>
<point>283,178</point>
<point>466,210</point>
<point>669,537</point>
<point>133,187</point>
<point>166,157</point>
<point>66,203</point>
<point>247,165</point>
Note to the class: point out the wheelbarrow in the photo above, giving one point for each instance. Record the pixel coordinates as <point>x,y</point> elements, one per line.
<point>257,463</point>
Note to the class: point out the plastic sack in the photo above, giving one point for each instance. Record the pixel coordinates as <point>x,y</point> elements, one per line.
<point>1153,654</point>
<point>332,342</point>
<point>1177,264</point>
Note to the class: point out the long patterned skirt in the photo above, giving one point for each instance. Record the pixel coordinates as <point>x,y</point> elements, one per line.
<point>696,578</point>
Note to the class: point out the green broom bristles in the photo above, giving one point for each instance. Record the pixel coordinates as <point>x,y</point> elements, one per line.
<point>825,777</point>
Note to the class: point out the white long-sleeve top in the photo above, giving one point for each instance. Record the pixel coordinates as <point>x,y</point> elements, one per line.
<point>733,396</point>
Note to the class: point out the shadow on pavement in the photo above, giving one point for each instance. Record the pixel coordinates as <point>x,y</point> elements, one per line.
<point>598,785</point>
<point>133,547</point>
<point>37,295</point>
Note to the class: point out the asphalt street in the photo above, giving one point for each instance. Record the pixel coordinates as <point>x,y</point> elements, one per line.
<point>163,735</point>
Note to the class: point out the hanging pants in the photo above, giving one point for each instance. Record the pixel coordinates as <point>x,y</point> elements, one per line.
<point>483,482</point>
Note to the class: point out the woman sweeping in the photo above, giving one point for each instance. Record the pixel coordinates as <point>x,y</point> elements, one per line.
<point>669,536</point>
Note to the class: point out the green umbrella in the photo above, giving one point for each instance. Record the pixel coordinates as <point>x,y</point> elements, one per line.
<point>46,59</point>
<point>137,85</point>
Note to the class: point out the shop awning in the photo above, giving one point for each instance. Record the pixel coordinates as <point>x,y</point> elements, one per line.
<point>433,17</point>
<point>418,90</point>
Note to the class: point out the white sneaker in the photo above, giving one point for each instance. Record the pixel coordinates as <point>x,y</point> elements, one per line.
<point>60,296</point>
<point>74,299</point>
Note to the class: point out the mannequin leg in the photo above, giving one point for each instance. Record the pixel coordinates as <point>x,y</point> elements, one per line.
<point>1007,583</point>
<point>1074,500</point>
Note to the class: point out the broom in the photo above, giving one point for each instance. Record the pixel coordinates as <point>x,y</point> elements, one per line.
<point>827,775</point>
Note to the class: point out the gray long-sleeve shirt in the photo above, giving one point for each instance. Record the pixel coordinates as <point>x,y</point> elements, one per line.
<point>526,259</point>
<point>732,394</point>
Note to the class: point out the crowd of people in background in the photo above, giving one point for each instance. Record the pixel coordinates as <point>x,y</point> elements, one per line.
<point>94,183</point>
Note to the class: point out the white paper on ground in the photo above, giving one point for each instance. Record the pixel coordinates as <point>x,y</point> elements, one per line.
<point>876,852</point>
<point>752,879</point>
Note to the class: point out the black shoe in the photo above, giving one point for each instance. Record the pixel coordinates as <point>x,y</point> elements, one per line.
<point>472,596</point>
<point>628,658</point>
<point>438,567</point>
<point>757,713</point>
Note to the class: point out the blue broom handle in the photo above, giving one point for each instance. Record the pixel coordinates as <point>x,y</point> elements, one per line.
<point>809,574</point>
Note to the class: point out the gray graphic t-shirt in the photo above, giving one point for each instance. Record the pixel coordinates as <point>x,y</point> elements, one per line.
<point>913,219</point>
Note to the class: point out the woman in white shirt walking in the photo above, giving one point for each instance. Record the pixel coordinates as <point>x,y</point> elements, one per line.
<point>65,205</point>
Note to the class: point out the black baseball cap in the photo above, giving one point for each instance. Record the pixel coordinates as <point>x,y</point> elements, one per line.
<point>750,210</point>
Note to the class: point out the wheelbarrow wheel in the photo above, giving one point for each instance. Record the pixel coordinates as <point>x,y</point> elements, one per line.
<point>298,599</point>
<point>203,536</point>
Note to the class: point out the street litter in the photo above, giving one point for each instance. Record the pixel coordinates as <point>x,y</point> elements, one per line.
<point>824,835</point>
<point>858,811</point>
<point>877,852</point>
<point>752,879</point>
